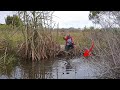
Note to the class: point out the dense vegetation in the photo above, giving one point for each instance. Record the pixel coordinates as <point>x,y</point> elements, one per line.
<point>35,39</point>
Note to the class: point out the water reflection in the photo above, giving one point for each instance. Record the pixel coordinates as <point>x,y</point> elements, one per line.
<point>36,70</point>
<point>49,69</point>
<point>68,67</point>
<point>7,67</point>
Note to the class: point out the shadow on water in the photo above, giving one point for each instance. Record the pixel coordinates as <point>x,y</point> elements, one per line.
<point>49,69</point>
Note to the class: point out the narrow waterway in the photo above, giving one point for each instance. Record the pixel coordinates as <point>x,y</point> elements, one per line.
<point>51,69</point>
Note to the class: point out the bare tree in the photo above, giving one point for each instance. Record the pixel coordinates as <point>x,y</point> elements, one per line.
<point>110,23</point>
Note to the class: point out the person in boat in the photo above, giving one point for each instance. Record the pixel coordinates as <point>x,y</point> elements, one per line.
<point>69,42</point>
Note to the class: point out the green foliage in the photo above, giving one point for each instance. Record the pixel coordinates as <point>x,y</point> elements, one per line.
<point>105,18</point>
<point>5,27</point>
<point>91,28</point>
<point>94,16</point>
<point>13,20</point>
<point>7,65</point>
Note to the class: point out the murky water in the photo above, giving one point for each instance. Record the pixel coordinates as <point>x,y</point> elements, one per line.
<point>51,69</point>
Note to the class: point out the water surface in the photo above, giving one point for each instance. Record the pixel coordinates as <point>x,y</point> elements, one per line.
<point>51,69</point>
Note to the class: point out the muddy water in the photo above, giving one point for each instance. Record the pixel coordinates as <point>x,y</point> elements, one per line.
<point>51,69</point>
